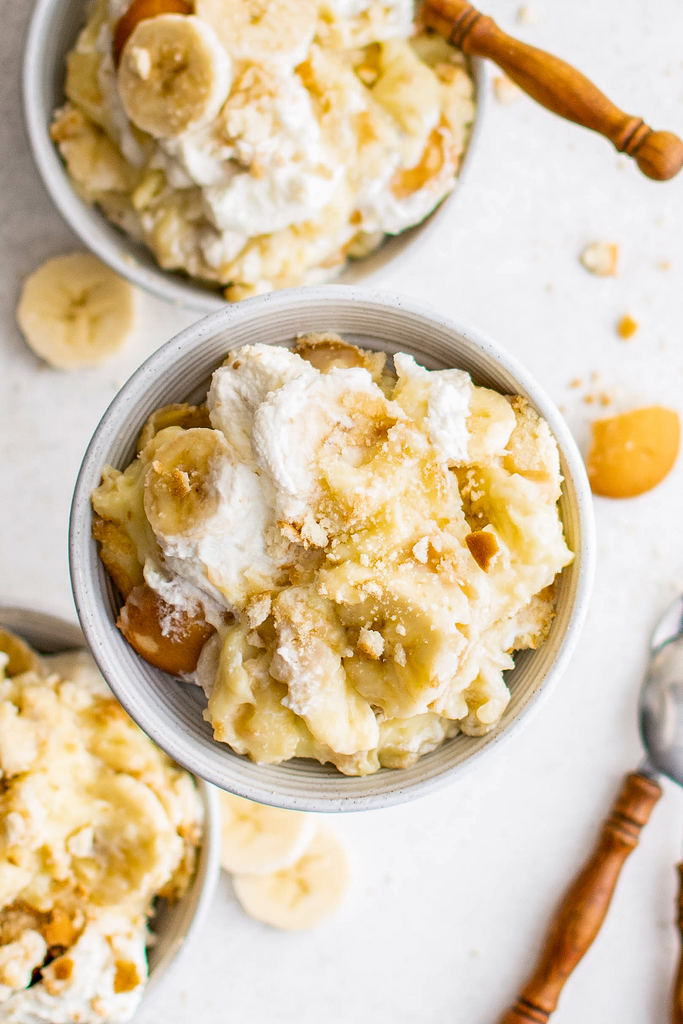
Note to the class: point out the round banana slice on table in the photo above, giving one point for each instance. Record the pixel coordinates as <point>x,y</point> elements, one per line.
<point>303,895</point>
<point>257,840</point>
<point>74,311</point>
<point>262,31</point>
<point>174,75</point>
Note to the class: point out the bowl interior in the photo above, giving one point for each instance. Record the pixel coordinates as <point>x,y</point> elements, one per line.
<point>54,27</point>
<point>172,924</point>
<point>171,711</point>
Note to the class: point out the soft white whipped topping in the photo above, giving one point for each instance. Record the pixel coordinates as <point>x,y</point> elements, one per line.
<point>397,20</point>
<point>447,397</point>
<point>199,157</point>
<point>297,176</point>
<point>242,384</point>
<point>182,595</point>
<point>88,994</point>
<point>18,960</point>
<point>226,554</point>
<point>290,427</point>
<point>382,210</point>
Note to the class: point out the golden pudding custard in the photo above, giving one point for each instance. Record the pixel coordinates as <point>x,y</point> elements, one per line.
<point>343,555</point>
<point>259,144</point>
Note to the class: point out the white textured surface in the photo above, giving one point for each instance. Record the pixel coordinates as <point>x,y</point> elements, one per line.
<point>453,890</point>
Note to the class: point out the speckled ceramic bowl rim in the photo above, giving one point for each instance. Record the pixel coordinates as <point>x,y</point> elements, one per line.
<point>383,788</point>
<point>40,78</point>
<point>51,634</point>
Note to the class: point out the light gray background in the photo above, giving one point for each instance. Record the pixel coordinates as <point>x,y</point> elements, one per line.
<point>451,893</point>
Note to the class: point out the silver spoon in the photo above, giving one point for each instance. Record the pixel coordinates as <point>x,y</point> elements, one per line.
<point>578,919</point>
<point>661,728</point>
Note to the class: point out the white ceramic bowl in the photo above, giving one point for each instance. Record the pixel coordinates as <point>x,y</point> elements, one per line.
<point>172,924</point>
<point>52,32</point>
<point>170,711</point>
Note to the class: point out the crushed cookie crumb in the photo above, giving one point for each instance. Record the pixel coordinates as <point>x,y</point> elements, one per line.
<point>63,968</point>
<point>400,655</point>
<point>483,547</point>
<point>127,977</point>
<point>505,90</point>
<point>627,327</point>
<point>59,931</point>
<point>527,15</point>
<point>601,258</point>
<point>370,643</point>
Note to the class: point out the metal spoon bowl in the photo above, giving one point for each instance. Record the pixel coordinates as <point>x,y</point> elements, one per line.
<point>661,698</point>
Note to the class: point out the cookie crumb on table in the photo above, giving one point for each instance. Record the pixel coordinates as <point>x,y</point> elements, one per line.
<point>505,90</point>
<point>601,258</point>
<point>627,327</point>
<point>527,15</point>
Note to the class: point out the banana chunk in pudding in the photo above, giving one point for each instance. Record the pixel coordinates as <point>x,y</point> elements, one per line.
<point>364,548</point>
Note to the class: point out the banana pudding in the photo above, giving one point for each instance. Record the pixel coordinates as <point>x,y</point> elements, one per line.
<point>259,144</point>
<point>97,822</point>
<point>344,556</point>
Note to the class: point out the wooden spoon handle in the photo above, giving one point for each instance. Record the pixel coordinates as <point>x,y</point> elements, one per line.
<point>556,85</point>
<point>677,1010</point>
<point>578,919</point>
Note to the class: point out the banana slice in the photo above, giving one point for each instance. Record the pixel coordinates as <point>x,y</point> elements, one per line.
<point>74,311</point>
<point>176,415</point>
<point>262,31</point>
<point>174,75</point>
<point>299,897</point>
<point>259,840</point>
<point>20,657</point>
<point>408,89</point>
<point>139,11</point>
<point>132,861</point>
<point>179,495</point>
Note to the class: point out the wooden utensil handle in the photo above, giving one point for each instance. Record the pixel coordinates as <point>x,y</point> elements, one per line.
<point>578,919</point>
<point>677,1012</point>
<point>556,85</point>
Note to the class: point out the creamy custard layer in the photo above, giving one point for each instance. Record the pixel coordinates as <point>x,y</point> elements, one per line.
<point>343,556</point>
